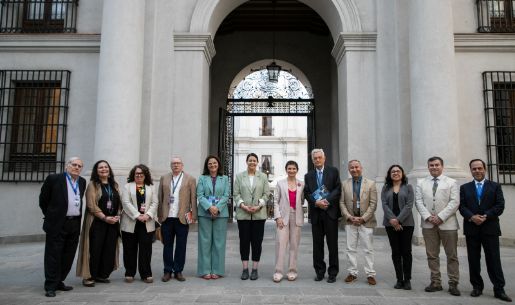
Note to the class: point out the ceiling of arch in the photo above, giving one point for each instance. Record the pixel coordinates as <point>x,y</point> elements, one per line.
<point>258,15</point>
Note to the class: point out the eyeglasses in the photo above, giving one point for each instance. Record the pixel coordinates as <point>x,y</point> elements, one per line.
<point>139,174</point>
<point>76,165</point>
<point>176,163</point>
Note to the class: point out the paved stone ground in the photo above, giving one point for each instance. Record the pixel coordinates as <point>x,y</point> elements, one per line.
<point>21,280</point>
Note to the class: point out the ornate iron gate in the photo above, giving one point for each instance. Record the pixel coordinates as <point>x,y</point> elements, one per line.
<point>258,107</point>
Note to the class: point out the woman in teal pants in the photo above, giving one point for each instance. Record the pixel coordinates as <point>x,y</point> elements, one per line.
<point>212,195</point>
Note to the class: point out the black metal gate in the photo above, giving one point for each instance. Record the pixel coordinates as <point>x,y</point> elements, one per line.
<point>258,107</point>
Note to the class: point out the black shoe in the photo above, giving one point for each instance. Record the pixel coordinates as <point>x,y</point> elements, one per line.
<point>63,287</point>
<point>102,280</point>
<point>407,285</point>
<point>319,277</point>
<point>475,293</point>
<point>399,285</point>
<point>245,274</point>
<point>433,287</point>
<point>254,275</point>
<point>453,290</point>
<point>502,296</point>
<point>50,293</point>
<point>331,279</point>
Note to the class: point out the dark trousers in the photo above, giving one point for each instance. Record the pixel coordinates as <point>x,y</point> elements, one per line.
<point>400,242</point>
<point>137,251</point>
<point>327,228</point>
<point>251,235</point>
<point>103,238</point>
<point>60,248</point>
<point>174,231</point>
<point>490,245</point>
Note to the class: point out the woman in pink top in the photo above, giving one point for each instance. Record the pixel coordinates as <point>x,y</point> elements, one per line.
<point>289,217</point>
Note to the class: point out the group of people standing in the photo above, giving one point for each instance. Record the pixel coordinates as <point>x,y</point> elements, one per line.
<point>138,209</point>
<point>437,200</point>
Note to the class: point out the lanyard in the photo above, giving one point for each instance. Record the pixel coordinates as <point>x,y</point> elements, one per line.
<point>174,185</point>
<point>75,187</point>
<point>109,191</point>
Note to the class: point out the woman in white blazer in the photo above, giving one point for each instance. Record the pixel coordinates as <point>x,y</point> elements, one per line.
<point>139,201</point>
<point>289,217</point>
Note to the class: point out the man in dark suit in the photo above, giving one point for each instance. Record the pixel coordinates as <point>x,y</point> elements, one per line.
<point>61,203</point>
<point>481,204</point>
<point>323,213</point>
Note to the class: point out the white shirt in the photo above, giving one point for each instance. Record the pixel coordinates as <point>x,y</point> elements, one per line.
<point>73,208</point>
<point>175,183</point>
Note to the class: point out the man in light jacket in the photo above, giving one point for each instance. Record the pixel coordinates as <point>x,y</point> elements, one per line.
<point>437,202</point>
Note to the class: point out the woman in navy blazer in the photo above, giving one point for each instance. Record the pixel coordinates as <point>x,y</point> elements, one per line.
<point>397,197</point>
<point>212,195</point>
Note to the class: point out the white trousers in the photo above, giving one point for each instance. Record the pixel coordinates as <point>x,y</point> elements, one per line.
<point>364,237</point>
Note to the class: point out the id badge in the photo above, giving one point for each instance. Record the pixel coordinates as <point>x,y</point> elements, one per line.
<point>357,204</point>
<point>142,208</point>
<point>109,205</point>
<point>77,201</point>
<point>172,199</point>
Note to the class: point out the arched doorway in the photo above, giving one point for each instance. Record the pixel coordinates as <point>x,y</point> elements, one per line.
<point>256,96</point>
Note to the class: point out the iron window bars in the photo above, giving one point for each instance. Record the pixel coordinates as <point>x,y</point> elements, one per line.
<point>38,16</point>
<point>499,99</point>
<point>33,123</point>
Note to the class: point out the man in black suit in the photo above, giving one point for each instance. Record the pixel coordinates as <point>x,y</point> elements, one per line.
<point>61,203</point>
<point>323,214</point>
<point>481,204</point>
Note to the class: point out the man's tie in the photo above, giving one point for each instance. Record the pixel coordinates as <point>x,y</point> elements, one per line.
<point>435,185</point>
<point>479,191</point>
<point>319,178</point>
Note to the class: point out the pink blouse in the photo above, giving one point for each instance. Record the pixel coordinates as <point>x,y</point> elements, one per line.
<point>293,198</point>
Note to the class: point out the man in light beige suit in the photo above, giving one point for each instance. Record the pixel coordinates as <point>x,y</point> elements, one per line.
<point>177,196</point>
<point>358,204</point>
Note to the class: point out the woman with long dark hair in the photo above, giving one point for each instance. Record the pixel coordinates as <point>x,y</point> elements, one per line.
<point>212,195</point>
<point>137,224</point>
<point>98,252</point>
<point>251,192</point>
<point>397,197</point>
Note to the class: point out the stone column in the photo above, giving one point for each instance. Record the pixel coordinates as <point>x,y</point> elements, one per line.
<point>117,133</point>
<point>434,109</point>
<point>355,56</point>
<point>190,113</point>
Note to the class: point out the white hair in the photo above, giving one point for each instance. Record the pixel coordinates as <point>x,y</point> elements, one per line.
<point>317,150</point>
<point>73,159</point>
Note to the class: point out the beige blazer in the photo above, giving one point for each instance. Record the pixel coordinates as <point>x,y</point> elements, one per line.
<point>282,202</point>
<point>368,201</point>
<point>187,197</point>
<point>130,207</point>
<point>445,204</point>
<point>93,194</point>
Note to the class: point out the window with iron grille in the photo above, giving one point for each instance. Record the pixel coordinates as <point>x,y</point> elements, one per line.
<point>38,16</point>
<point>496,16</point>
<point>499,96</point>
<point>266,126</point>
<point>33,116</point>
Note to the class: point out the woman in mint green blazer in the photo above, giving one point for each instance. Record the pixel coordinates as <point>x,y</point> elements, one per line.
<point>212,195</point>
<point>251,192</point>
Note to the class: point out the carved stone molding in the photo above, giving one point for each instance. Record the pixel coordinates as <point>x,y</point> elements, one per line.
<point>196,42</point>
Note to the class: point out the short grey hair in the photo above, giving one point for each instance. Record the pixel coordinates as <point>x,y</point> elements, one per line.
<point>317,150</point>
<point>175,157</point>
<point>353,160</point>
<point>73,159</point>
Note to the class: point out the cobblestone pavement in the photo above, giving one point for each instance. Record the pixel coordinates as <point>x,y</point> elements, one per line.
<point>21,279</point>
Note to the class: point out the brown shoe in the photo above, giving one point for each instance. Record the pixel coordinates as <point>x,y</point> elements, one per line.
<point>88,282</point>
<point>178,276</point>
<point>148,280</point>
<point>371,280</point>
<point>166,277</point>
<point>350,278</point>
<point>129,279</point>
